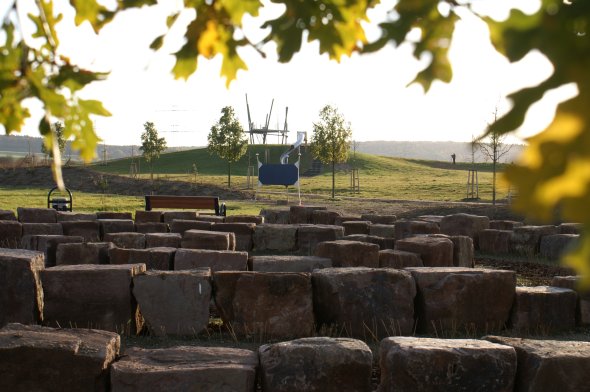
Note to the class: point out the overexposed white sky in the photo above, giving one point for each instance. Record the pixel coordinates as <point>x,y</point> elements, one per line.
<point>370,91</point>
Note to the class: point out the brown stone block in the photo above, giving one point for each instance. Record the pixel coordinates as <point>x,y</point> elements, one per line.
<point>170,216</point>
<point>364,302</point>
<point>21,295</point>
<point>35,358</point>
<point>543,309</point>
<point>265,304</point>
<point>302,214</point>
<point>202,239</point>
<point>68,216</point>
<point>210,218</point>
<point>549,365</point>
<point>83,253</point>
<point>11,233</point>
<point>525,240</point>
<point>356,227</point>
<point>570,228</point>
<point>185,368</point>
<point>109,226</point>
<point>457,299</point>
<point>379,219</point>
<point>495,241</point>
<point>288,263</point>
<point>383,243</point>
<point>504,224</point>
<point>345,253</point>
<point>148,216</point>
<point>243,233</point>
<point>91,296</point>
<point>108,215</point>
<point>434,251</point>
<point>48,245</point>
<point>324,217</point>
<point>36,215</point>
<point>464,224</point>
<point>275,216</point>
<point>583,302</point>
<point>426,364</point>
<point>406,229</point>
<point>7,215</point>
<point>338,364</point>
<point>391,258</point>
<point>42,228</point>
<point>180,226</point>
<point>217,260</point>
<point>170,240</point>
<point>174,302</point>
<point>154,258</point>
<point>384,231</point>
<point>276,237</point>
<point>89,230</point>
<point>553,247</point>
<point>126,240</point>
<point>309,236</point>
<point>256,219</point>
<point>151,227</point>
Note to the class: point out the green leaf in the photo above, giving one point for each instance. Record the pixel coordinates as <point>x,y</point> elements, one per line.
<point>157,43</point>
<point>93,107</point>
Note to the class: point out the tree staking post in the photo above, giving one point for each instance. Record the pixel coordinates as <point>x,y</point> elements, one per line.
<point>472,184</point>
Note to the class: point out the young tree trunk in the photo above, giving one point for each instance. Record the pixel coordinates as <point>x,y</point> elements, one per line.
<point>229,174</point>
<point>494,183</point>
<point>333,178</point>
<point>152,171</point>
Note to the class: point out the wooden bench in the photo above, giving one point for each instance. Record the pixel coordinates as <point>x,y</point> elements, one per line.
<point>185,202</point>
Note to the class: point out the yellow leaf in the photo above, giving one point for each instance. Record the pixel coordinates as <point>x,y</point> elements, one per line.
<point>208,40</point>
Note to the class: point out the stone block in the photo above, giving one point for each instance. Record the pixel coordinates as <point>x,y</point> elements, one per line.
<point>275,216</point>
<point>242,231</point>
<point>256,219</point>
<point>549,365</point>
<point>42,228</point>
<point>36,215</point>
<point>526,240</point>
<point>21,295</point>
<point>391,258</point>
<point>35,358</point>
<point>406,229</point>
<point>431,218</point>
<point>91,296</point>
<point>11,233</point>
<point>457,299</point>
<point>346,218</point>
<point>463,251</point>
<point>543,309</point>
<point>148,216</point>
<point>345,253</point>
<point>170,216</point>
<point>434,251</point>
<point>108,226</point>
<point>302,214</point>
<point>89,230</point>
<point>216,260</point>
<point>126,240</point>
<point>180,226</point>
<point>265,304</point>
<point>107,215</point>
<point>48,245</point>
<point>8,215</point>
<point>83,253</point>
<point>161,259</point>
<point>379,219</point>
<point>277,237</point>
<point>202,239</point>
<point>427,364</point>
<point>68,216</point>
<point>309,236</point>
<point>495,241</point>
<point>288,263</point>
<point>383,243</point>
<point>339,364</point>
<point>151,227</point>
<point>210,218</point>
<point>170,240</point>
<point>504,224</point>
<point>464,224</point>
<point>324,217</point>
<point>356,227</point>
<point>185,368</point>
<point>583,302</point>
<point>364,302</point>
<point>554,246</point>
<point>384,231</point>
<point>570,228</point>
<point>174,302</point>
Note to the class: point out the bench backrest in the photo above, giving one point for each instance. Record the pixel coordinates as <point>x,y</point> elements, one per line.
<point>184,202</point>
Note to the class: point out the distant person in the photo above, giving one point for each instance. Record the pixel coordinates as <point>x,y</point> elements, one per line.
<point>453,156</point>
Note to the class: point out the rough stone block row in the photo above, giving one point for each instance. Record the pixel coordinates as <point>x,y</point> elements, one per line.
<point>288,263</point>
<point>11,233</point>
<point>48,245</point>
<point>344,253</point>
<point>543,309</point>
<point>160,258</point>
<point>465,225</point>
<point>434,251</point>
<point>83,253</point>
<point>216,260</point>
<point>383,243</point>
<point>411,228</point>
<point>583,296</point>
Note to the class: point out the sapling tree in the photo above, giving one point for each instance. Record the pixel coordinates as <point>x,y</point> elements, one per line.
<point>151,145</point>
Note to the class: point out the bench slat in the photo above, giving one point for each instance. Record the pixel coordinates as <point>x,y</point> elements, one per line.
<point>182,202</point>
